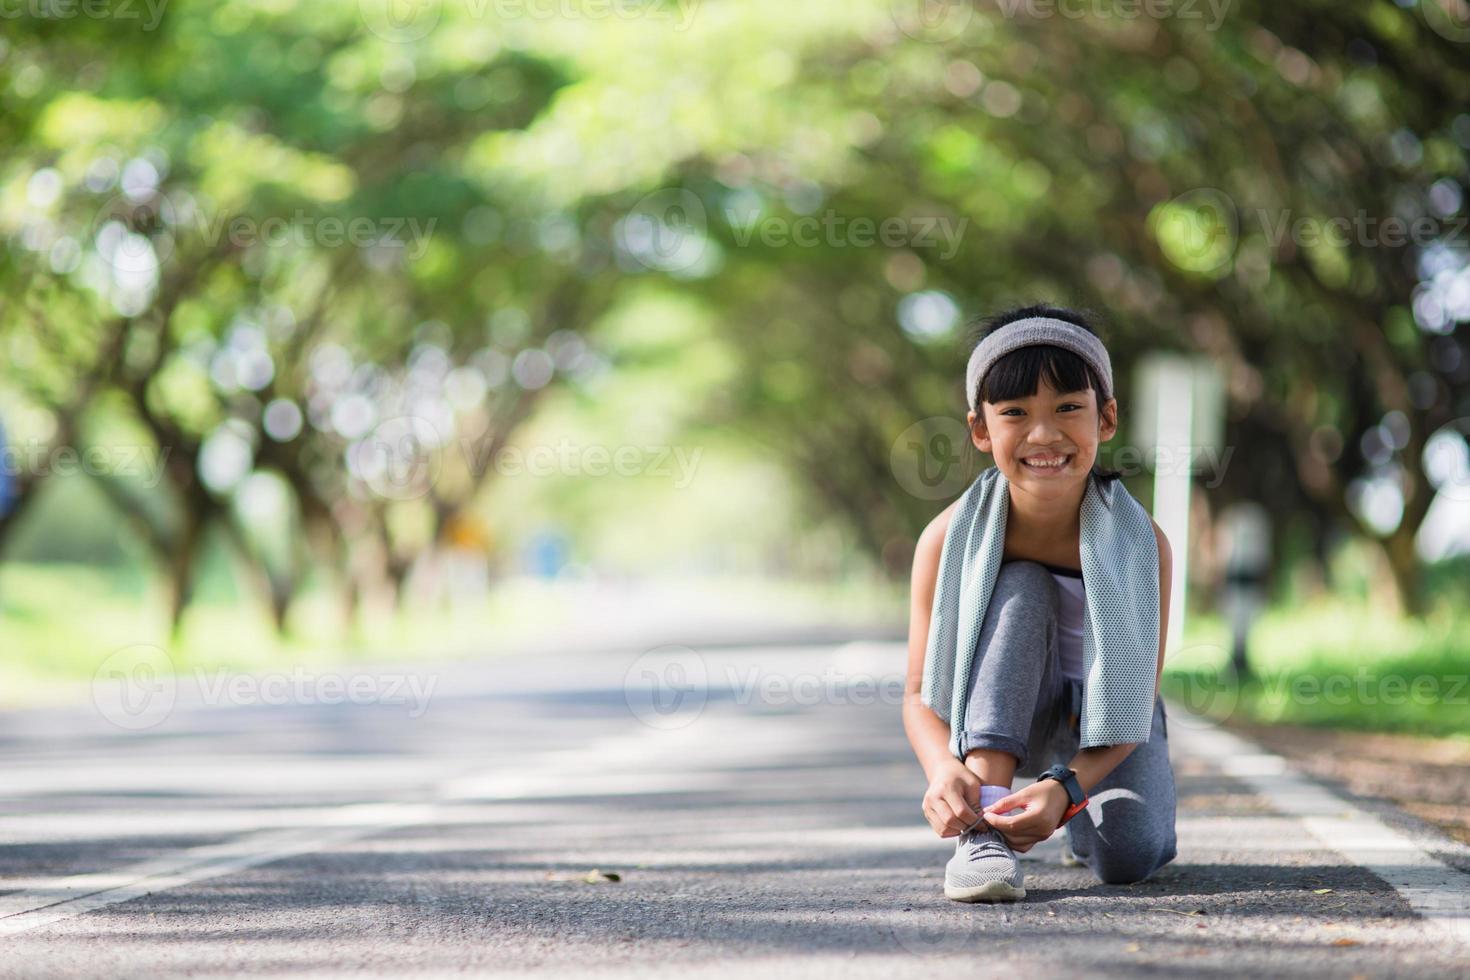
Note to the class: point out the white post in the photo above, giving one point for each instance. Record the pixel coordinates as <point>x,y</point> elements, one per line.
<point>1173,442</point>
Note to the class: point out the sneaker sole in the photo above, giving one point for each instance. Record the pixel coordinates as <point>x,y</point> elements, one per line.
<point>991,891</point>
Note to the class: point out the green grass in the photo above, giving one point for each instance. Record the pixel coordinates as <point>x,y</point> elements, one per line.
<point>59,622</point>
<point>1333,664</point>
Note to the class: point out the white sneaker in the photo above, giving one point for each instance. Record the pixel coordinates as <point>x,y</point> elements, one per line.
<point>983,869</point>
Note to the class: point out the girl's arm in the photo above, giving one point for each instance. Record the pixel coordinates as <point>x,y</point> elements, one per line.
<point>1166,581</point>
<point>927,732</point>
<point>952,798</point>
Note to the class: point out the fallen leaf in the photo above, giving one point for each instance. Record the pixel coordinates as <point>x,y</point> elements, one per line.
<point>1132,948</point>
<point>1346,942</point>
<point>596,876</point>
<point>1321,891</point>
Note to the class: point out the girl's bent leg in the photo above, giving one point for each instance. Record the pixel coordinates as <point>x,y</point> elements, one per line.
<point>1016,686</point>
<point>1127,831</point>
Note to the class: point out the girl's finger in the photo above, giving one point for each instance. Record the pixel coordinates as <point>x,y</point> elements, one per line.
<point>999,822</point>
<point>954,822</point>
<point>1008,803</point>
<point>998,818</point>
<point>940,817</point>
<point>961,808</point>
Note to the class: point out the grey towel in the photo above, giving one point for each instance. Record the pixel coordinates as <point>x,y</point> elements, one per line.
<point>1120,631</point>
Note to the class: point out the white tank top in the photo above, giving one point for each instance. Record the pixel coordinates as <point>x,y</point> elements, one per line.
<point>1071,597</point>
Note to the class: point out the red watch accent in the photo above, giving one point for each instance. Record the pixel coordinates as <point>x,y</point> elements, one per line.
<point>1072,811</point>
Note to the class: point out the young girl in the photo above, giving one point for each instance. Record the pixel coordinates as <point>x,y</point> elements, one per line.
<point>1044,646</point>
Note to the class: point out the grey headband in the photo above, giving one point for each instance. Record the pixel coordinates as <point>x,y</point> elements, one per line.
<point>1029,333</point>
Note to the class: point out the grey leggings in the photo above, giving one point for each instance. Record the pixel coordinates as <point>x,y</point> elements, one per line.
<point>1020,703</point>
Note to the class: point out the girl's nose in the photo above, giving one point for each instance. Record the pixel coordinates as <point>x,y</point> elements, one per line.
<point>1044,433</point>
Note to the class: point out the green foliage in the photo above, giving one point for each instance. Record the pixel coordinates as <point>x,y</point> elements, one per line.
<point>1335,663</point>
<point>799,204</point>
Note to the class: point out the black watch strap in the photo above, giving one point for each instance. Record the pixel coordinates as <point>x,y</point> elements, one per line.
<point>1075,794</point>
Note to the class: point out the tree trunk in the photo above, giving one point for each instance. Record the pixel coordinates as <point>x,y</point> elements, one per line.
<point>351,600</point>
<point>397,570</point>
<point>1403,563</point>
<point>181,566</point>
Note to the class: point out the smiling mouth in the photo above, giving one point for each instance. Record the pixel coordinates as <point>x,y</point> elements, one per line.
<point>1047,464</point>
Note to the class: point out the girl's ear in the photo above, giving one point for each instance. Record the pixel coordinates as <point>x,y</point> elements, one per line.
<point>979,434</point>
<point>1108,420</point>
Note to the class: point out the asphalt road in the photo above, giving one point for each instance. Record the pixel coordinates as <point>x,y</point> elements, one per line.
<point>759,808</point>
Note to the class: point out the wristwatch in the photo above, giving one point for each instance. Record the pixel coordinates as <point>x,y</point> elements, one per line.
<point>1069,782</point>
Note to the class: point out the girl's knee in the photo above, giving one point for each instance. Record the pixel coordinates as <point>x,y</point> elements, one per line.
<point>1130,866</point>
<point>1024,578</point>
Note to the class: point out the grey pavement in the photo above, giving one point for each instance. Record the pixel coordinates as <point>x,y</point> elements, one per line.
<point>758,807</point>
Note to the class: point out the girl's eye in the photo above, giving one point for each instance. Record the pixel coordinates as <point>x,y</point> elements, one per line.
<point>1009,411</point>
<point>1070,405</point>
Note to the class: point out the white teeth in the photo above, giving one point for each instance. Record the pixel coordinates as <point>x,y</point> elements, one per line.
<point>1047,464</point>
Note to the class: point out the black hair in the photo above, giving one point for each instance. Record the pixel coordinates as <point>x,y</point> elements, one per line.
<point>1019,373</point>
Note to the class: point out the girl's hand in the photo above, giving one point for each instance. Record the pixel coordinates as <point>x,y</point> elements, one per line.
<point>951,801</point>
<point>1042,804</point>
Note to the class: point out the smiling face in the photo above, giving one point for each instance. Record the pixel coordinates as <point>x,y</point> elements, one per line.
<point>1045,442</point>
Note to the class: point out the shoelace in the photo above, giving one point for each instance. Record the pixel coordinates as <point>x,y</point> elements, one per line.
<point>977,843</point>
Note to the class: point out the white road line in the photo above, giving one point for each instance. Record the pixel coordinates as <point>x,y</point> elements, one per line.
<point>62,898</point>
<point>1433,889</point>
<point>548,773</point>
